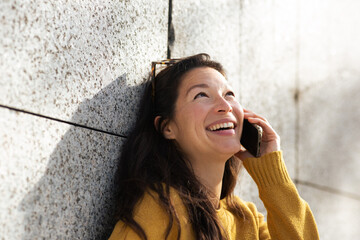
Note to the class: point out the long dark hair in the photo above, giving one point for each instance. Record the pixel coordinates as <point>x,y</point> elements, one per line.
<point>149,161</point>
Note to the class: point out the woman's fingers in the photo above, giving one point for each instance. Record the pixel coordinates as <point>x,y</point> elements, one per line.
<point>259,120</point>
<point>270,139</point>
<point>263,124</point>
<point>250,114</point>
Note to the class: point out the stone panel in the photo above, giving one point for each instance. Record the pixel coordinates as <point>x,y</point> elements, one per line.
<point>211,27</point>
<point>330,94</point>
<point>268,75</point>
<point>328,40</point>
<point>58,54</point>
<point>268,67</point>
<point>337,217</point>
<point>56,179</point>
<point>329,133</point>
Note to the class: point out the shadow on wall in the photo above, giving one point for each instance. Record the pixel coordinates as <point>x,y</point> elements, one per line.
<point>74,198</point>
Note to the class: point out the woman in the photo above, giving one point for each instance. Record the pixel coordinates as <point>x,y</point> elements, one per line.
<point>179,166</point>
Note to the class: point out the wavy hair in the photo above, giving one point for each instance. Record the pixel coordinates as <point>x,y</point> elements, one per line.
<point>149,161</point>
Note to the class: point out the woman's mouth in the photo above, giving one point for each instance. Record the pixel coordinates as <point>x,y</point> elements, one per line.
<point>221,126</point>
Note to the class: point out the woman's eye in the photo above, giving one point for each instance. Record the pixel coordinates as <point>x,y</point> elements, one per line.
<point>230,93</point>
<point>202,94</point>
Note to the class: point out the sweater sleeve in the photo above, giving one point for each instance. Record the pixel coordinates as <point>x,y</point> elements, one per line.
<point>288,216</point>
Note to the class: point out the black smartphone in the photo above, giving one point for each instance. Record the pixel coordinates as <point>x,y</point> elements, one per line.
<point>251,138</point>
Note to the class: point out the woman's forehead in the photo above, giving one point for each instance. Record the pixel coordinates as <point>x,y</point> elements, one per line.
<point>204,75</point>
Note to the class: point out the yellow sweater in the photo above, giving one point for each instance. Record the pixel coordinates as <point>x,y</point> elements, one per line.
<point>289,217</point>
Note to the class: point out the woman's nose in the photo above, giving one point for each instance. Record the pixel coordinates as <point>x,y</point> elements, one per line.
<point>223,105</point>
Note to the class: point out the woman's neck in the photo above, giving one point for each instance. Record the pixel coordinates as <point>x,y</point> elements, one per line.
<point>210,173</point>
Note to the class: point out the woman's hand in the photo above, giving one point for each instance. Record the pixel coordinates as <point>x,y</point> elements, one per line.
<point>270,141</point>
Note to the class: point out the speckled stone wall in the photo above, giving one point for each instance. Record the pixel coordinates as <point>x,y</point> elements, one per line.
<point>56,55</point>
<point>70,84</point>
<point>329,115</point>
<point>73,68</point>
<point>267,73</point>
<point>56,179</point>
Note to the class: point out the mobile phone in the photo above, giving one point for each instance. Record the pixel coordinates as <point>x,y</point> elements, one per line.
<point>251,137</point>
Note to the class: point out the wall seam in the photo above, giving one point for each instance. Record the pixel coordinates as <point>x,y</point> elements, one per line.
<point>171,33</point>
<point>329,189</point>
<point>297,94</point>
<point>61,121</point>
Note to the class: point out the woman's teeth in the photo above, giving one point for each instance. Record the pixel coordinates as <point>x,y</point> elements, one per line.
<point>222,126</point>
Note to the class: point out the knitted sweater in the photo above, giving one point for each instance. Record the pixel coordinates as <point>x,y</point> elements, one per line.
<point>288,216</point>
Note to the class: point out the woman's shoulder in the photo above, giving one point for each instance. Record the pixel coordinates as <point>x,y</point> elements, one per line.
<point>151,214</point>
<point>151,204</point>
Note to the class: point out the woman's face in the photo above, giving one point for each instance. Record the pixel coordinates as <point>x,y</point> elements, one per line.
<point>208,119</point>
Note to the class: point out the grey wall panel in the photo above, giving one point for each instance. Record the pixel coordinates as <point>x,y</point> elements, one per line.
<point>337,216</point>
<point>329,146</point>
<point>329,113</point>
<point>56,179</point>
<point>56,55</point>
<point>330,94</point>
<point>211,27</point>
<point>268,67</point>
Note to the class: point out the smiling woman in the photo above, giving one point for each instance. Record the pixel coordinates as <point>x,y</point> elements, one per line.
<point>179,166</point>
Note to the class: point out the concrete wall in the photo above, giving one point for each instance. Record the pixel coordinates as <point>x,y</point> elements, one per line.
<point>70,74</point>
<point>329,114</point>
<point>76,65</point>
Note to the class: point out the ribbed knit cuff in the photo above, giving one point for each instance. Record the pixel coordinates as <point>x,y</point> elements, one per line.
<point>268,170</point>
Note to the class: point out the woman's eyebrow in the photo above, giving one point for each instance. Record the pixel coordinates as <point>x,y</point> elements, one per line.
<point>201,85</point>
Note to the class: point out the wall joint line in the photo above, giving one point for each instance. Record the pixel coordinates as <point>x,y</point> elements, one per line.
<point>62,121</point>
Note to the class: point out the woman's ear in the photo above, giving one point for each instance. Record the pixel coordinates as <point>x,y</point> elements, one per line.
<point>166,127</point>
